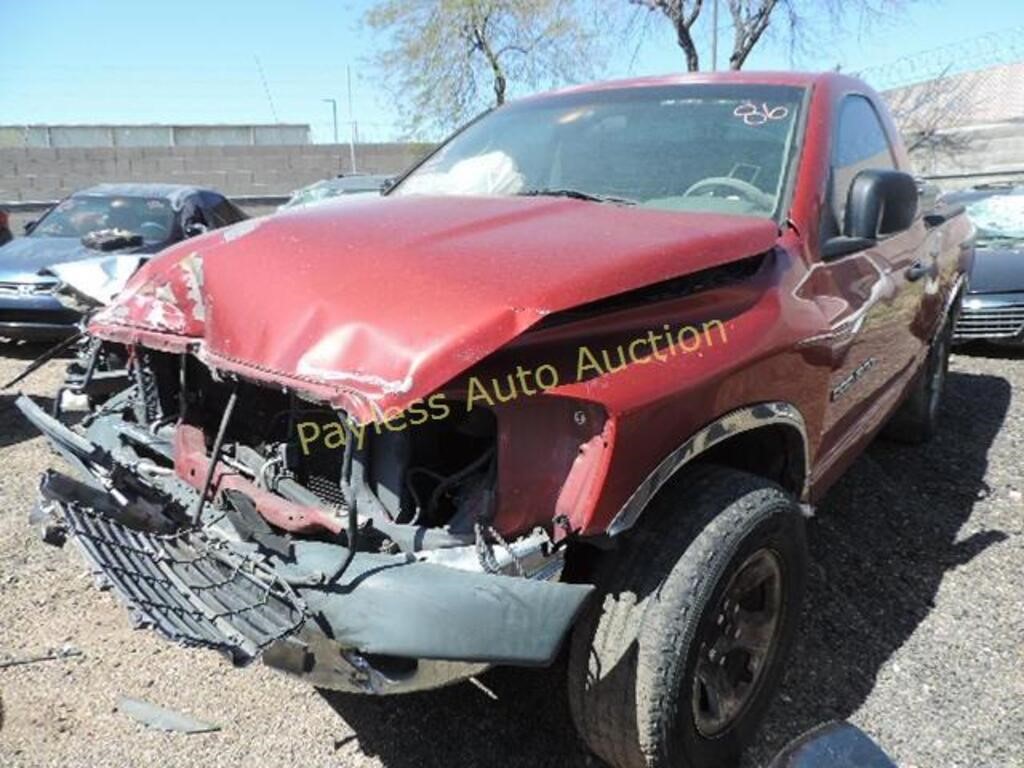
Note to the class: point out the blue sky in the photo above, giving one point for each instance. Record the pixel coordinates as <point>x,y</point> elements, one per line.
<point>100,61</point>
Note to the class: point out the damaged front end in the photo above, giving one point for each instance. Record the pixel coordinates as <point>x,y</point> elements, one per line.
<point>367,562</point>
<point>305,464</point>
<point>98,369</point>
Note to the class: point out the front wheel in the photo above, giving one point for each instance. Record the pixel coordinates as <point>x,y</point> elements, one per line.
<point>677,661</point>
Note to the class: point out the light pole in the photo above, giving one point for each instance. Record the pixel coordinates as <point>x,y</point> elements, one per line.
<point>714,36</point>
<point>351,120</point>
<point>334,115</point>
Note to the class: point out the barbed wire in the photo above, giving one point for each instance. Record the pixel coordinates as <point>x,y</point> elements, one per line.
<point>991,49</point>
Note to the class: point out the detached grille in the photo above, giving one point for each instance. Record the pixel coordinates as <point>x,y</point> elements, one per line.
<point>187,587</point>
<point>990,322</point>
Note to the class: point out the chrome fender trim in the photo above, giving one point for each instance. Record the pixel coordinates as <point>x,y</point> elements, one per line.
<point>959,290</point>
<point>741,420</point>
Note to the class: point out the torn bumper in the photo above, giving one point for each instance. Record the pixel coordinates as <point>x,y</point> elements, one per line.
<point>390,623</point>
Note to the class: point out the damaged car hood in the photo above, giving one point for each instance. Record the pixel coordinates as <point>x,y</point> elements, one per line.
<point>98,279</point>
<point>25,259</point>
<point>377,303</point>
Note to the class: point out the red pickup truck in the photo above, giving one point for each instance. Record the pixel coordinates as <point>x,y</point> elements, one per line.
<point>575,381</point>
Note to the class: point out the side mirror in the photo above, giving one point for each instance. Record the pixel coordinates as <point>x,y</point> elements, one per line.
<point>29,226</point>
<point>833,745</point>
<point>195,228</point>
<point>879,203</point>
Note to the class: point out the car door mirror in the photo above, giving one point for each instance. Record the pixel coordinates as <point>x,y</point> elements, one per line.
<point>880,203</point>
<point>195,228</point>
<point>29,226</point>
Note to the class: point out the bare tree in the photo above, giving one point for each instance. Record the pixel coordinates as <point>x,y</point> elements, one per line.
<point>682,14</point>
<point>751,19</point>
<point>443,56</point>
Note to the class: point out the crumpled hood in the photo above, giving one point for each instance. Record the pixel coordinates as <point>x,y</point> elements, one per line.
<point>23,259</point>
<point>97,279</point>
<point>998,270</point>
<point>383,301</point>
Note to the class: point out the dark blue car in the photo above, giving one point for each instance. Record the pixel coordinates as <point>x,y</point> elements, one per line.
<point>102,221</point>
<point>993,308</point>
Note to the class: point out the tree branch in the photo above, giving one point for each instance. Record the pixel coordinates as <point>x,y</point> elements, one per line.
<point>748,27</point>
<point>482,44</point>
<point>682,22</point>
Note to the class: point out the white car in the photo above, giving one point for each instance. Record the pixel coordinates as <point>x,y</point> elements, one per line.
<point>361,185</point>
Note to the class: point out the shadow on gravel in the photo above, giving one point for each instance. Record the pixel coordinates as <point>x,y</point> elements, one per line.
<point>882,542</point>
<point>28,351</point>
<point>527,726</point>
<point>15,428</point>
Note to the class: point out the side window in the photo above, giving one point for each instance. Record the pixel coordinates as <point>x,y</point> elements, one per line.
<point>192,213</point>
<point>222,211</point>
<point>860,144</point>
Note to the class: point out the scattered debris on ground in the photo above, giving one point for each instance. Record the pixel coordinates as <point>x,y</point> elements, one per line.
<point>162,719</point>
<point>64,652</point>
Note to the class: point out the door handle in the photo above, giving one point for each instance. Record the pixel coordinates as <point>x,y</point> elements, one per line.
<point>917,270</point>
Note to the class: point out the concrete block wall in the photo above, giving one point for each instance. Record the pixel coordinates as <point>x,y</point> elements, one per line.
<point>983,148</point>
<point>45,173</point>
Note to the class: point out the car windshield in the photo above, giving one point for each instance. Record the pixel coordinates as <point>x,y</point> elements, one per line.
<point>324,190</point>
<point>311,194</point>
<point>998,217</point>
<point>683,148</point>
<point>150,217</point>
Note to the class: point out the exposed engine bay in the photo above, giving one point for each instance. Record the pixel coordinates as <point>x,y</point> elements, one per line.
<point>419,488</point>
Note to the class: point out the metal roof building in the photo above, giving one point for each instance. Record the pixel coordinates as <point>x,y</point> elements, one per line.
<point>273,134</point>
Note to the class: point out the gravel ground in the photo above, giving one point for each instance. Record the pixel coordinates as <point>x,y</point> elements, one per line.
<point>914,630</point>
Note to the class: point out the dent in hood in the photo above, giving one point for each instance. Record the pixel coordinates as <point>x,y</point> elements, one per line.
<point>23,259</point>
<point>98,280</point>
<point>375,304</point>
<point>27,259</point>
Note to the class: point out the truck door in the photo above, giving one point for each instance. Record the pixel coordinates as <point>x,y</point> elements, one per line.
<point>877,292</point>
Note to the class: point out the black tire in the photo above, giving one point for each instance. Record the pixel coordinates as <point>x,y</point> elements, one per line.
<point>633,660</point>
<point>917,419</point>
